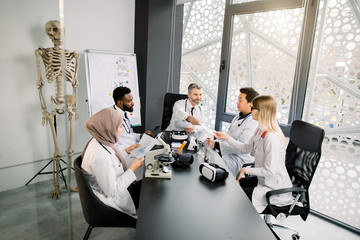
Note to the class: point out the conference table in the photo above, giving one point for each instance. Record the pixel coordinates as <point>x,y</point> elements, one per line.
<point>188,206</point>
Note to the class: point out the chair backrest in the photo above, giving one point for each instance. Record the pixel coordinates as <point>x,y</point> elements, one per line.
<point>169,100</point>
<point>304,151</point>
<point>96,213</point>
<point>303,155</point>
<point>88,199</point>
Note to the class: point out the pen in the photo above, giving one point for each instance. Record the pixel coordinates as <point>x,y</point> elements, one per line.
<point>181,147</point>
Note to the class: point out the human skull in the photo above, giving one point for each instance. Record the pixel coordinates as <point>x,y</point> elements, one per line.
<point>53,30</point>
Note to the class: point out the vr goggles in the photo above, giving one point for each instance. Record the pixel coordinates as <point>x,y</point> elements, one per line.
<point>213,172</point>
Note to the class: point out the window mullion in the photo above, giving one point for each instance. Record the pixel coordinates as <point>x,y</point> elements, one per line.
<point>224,70</point>
<point>303,60</point>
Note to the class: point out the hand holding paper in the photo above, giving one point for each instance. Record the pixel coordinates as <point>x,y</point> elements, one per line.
<point>146,143</point>
<point>208,130</point>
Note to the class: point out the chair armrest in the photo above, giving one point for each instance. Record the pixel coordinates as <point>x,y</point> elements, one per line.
<point>248,164</point>
<point>297,190</point>
<point>283,190</point>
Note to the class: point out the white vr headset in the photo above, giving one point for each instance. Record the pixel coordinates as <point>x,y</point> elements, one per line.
<point>178,136</point>
<point>213,172</point>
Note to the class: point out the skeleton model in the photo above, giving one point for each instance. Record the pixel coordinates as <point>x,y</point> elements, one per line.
<point>59,64</point>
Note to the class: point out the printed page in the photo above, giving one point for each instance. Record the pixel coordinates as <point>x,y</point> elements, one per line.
<point>146,143</point>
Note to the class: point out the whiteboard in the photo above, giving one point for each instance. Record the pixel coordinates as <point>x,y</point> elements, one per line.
<point>107,70</point>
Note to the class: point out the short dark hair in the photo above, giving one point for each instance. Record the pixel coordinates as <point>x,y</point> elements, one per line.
<point>250,93</point>
<point>120,92</point>
<point>192,86</point>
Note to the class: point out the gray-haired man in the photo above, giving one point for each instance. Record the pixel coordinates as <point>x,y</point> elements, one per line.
<point>187,113</point>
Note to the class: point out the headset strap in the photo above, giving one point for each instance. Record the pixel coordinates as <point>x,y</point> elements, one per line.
<point>217,166</point>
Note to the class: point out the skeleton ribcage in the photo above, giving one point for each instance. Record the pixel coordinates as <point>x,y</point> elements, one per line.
<point>52,63</point>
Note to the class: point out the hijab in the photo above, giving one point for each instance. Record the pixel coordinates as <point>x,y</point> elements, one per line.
<point>103,127</point>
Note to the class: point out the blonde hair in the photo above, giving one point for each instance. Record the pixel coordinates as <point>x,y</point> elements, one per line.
<point>266,105</point>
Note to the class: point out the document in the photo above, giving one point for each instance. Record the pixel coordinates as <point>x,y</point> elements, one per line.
<point>208,130</point>
<point>146,144</point>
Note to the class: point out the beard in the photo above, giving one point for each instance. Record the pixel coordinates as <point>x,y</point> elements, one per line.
<point>129,109</point>
<point>195,101</point>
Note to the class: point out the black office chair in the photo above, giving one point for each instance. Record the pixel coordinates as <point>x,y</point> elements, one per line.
<point>302,157</point>
<point>96,213</point>
<point>169,100</point>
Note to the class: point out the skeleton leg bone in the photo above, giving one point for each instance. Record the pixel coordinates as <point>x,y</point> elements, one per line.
<point>71,100</point>
<point>55,193</point>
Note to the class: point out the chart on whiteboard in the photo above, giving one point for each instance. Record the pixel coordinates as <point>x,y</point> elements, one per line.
<point>107,71</point>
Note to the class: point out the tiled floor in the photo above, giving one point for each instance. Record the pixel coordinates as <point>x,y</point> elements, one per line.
<point>27,213</point>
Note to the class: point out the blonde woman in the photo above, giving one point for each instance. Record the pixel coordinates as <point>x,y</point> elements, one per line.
<point>267,145</point>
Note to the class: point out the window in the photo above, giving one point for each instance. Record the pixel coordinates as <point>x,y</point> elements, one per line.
<point>270,45</point>
<point>201,50</point>
<point>333,103</point>
<point>264,46</point>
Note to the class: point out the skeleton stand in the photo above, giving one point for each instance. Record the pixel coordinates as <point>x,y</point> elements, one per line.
<point>60,168</point>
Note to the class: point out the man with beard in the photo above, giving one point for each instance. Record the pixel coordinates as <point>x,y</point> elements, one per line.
<point>187,113</point>
<point>128,139</point>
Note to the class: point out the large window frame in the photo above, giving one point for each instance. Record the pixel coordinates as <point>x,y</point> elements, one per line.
<point>303,60</point>
<point>312,23</point>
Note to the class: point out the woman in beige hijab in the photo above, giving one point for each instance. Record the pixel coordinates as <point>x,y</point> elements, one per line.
<point>109,175</point>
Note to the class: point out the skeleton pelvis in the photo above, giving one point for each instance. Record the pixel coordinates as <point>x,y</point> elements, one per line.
<point>58,104</point>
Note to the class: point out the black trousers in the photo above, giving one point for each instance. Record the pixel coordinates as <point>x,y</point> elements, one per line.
<point>134,190</point>
<point>248,184</point>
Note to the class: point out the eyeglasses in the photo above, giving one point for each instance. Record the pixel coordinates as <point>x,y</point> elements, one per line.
<point>254,108</point>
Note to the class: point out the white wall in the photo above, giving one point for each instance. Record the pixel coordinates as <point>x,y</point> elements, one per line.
<point>25,145</point>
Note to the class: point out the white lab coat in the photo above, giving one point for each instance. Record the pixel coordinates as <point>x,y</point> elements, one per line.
<point>107,177</point>
<point>127,138</point>
<point>269,168</point>
<point>241,130</point>
<point>181,110</point>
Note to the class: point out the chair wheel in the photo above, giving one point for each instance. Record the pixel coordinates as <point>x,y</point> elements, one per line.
<point>295,236</point>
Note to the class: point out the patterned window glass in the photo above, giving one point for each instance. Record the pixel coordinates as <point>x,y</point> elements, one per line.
<point>242,1</point>
<point>263,55</point>
<point>201,50</point>
<point>333,103</point>
<point>224,126</point>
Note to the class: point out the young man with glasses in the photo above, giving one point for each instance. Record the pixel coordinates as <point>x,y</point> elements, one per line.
<point>242,128</point>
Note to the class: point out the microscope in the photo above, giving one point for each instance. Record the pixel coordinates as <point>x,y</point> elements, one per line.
<point>157,161</point>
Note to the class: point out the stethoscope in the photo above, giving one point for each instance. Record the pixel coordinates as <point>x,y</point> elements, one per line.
<point>125,125</point>
<point>186,102</point>
<point>256,142</point>
<point>239,124</point>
